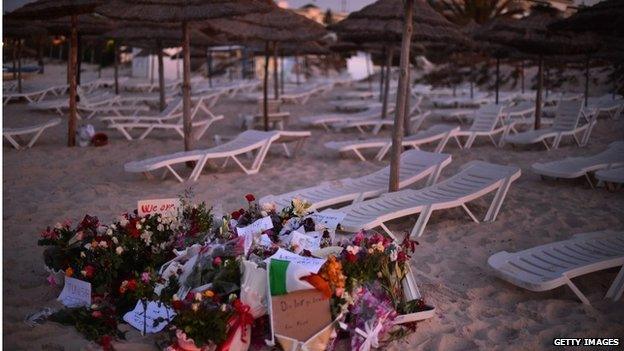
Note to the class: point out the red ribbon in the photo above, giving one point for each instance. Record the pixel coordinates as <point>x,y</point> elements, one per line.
<point>241,319</point>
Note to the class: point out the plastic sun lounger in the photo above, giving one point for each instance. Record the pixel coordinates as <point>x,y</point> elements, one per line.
<point>487,121</point>
<point>11,134</point>
<point>170,119</point>
<point>376,124</point>
<point>246,142</point>
<point>331,119</point>
<point>415,165</point>
<point>440,133</point>
<point>574,167</point>
<point>357,106</point>
<point>566,123</point>
<point>477,179</point>
<point>34,96</point>
<point>613,176</point>
<point>550,266</point>
<point>612,107</point>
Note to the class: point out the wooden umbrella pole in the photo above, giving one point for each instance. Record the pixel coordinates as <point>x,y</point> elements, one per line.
<point>265,88</point>
<point>210,68</point>
<point>80,58</point>
<point>14,58</point>
<point>384,108</point>
<point>546,80</point>
<point>538,96</point>
<point>116,66</point>
<point>408,95</point>
<point>472,74</point>
<point>497,78</point>
<point>586,79</point>
<point>40,57</point>
<point>382,73</point>
<point>368,73</point>
<point>275,73</point>
<point>297,68</point>
<point>186,87</point>
<point>73,58</point>
<point>19,65</point>
<point>522,74</point>
<point>399,117</point>
<point>151,63</point>
<point>282,73</point>
<point>161,75</point>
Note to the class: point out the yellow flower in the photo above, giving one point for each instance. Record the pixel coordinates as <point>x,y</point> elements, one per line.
<point>209,294</point>
<point>300,207</point>
<point>69,272</point>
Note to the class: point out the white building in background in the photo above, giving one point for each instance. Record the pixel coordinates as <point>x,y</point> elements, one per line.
<point>147,66</point>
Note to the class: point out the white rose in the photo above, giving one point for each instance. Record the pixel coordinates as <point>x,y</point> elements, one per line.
<point>115,240</point>
<point>109,232</point>
<point>119,250</point>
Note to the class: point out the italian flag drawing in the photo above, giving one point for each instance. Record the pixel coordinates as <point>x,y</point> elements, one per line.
<point>290,272</point>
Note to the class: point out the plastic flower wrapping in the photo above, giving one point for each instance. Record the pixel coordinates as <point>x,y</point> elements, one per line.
<point>212,274</point>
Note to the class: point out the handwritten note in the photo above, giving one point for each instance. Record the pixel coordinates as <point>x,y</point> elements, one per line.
<point>327,219</point>
<point>300,314</point>
<point>165,207</point>
<point>265,240</point>
<point>310,263</point>
<point>310,241</point>
<point>152,319</point>
<point>254,228</point>
<point>75,293</point>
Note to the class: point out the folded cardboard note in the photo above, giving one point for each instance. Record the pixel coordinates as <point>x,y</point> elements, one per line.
<point>300,314</point>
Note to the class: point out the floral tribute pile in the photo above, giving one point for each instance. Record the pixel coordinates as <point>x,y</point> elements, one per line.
<point>209,279</point>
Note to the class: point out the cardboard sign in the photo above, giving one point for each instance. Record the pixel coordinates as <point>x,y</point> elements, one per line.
<point>310,241</point>
<point>254,228</point>
<point>329,220</point>
<point>300,314</point>
<point>165,207</point>
<point>310,263</point>
<point>75,293</point>
<point>152,319</point>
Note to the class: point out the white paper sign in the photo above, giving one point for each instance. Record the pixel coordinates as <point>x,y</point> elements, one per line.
<point>165,207</point>
<point>76,293</point>
<point>155,319</point>
<point>329,220</point>
<point>254,228</point>
<point>310,263</point>
<point>265,240</point>
<point>310,241</point>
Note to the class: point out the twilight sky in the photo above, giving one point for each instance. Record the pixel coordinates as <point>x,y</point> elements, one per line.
<point>351,5</point>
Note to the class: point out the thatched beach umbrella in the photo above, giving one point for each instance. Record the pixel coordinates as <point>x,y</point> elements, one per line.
<point>49,9</point>
<point>275,26</point>
<point>18,31</point>
<point>184,14</point>
<point>156,38</point>
<point>531,36</point>
<point>391,21</point>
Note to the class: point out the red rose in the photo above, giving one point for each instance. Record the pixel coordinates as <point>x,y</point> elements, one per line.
<point>250,197</point>
<point>401,257</point>
<point>235,215</point>
<point>351,257</point>
<point>105,341</point>
<point>96,314</point>
<point>132,285</point>
<point>177,305</point>
<point>89,271</point>
<point>132,228</point>
<point>217,261</point>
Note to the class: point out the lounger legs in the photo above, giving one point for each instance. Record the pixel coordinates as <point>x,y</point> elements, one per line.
<point>577,292</point>
<point>617,287</point>
<point>423,218</point>
<point>433,177</point>
<point>497,202</point>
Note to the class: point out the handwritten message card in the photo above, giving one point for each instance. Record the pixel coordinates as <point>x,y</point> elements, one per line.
<point>310,241</point>
<point>329,220</point>
<point>152,319</point>
<point>300,314</point>
<point>165,207</point>
<point>254,228</point>
<point>75,293</point>
<point>309,263</point>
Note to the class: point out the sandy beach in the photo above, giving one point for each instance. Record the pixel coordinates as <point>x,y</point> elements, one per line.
<point>475,309</point>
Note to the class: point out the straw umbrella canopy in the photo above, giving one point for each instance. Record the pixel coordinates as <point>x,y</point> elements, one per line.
<point>18,31</point>
<point>49,9</point>
<point>156,37</point>
<point>183,13</point>
<point>532,37</point>
<point>277,25</point>
<point>605,17</point>
<point>393,21</point>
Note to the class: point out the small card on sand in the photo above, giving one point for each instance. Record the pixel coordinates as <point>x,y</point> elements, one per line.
<point>165,207</point>
<point>76,293</point>
<point>149,317</point>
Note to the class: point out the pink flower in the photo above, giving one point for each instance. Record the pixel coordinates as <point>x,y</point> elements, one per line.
<point>51,280</point>
<point>145,277</point>
<point>49,233</point>
<point>80,235</point>
<point>359,237</point>
<point>67,223</point>
<point>96,314</point>
<point>217,261</point>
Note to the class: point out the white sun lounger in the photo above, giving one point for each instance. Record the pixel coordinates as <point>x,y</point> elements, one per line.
<point>415,165</point>
<point>168,119</point>
<point>357,106</point>
<point>332,119</point>
<point>487,121</point>
<point>246,142</point>
<point>566,123</point>
<point>477,179</point>
<point>34,96</point>
<point>374,125</point>
<point>300,96</point>
<point>11,134</point>
<point>611,176</point>
<point>574,167</point>
<point>440,133</point>
<point>550,266</point>
<point>612,107</point>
